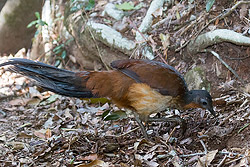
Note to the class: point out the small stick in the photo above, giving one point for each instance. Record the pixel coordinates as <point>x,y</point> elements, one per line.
<point>222,161</point>
<point>143,36</point>
<point>221,16</point>
<point>170,135</point>
<point>204,146</point>
<point>191,155</point>
<point>130,131</point>
<point>226,119</point>
<point>3,113</point>
<point>224,63</point>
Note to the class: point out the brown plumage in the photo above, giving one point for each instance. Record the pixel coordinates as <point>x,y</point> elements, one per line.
<point>142,86</point>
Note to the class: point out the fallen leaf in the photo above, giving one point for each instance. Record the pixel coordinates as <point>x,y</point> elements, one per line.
<point>33,102</point>
<point>157,12</point>
<point>48,134</point>
<point>16,145</point>
<point>41,133</point>
<point>206,159</point>
<point>90,157</point>
<point>95,163</point>
<point>19,102</point>
<point>35,93</point>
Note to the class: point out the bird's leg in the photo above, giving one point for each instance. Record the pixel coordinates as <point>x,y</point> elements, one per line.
<point>175,119</point>
<point>139,121</point>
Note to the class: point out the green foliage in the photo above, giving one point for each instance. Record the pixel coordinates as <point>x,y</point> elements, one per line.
<point>37,23</point>
<point>108,115</point>
<point>128,6</point>
<point>209,4</point>
<point>78,5</point>
<point>50,100</point>
<point>90,5</point>
<point>60,52</point>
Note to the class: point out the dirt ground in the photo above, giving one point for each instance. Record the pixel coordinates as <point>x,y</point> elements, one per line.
<point>39,128</point>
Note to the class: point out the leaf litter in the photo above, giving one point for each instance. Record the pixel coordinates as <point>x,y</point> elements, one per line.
<point>44,129</point>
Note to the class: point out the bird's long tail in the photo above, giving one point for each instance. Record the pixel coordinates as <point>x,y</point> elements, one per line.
<point>57,80</point>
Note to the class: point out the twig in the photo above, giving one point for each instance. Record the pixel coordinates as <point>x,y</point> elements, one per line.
<point>130,131</point>
<point>222,161</point>
<point>187,42</point>
<point>244,127</point>
<point>191,155</point>
<point>234,160</point>
<point>170,135</point>
<point>227,118</point>
<point>134,26</point>
<point>204,146</point>
<point>145,39</point>
<point>237,58</point>
<point>234,7</point>
<point>221,16</point>
<point>97,47</point>
<point>3,113</point>
<point>224,63</point>
<point>202,153</point>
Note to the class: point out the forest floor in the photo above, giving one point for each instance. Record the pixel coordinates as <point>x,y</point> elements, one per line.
<point>40,128</point>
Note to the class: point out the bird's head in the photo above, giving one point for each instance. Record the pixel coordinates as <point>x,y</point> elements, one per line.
<point>199,99</point>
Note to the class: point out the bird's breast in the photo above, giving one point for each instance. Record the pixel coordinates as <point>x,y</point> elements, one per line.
<point>146,100</point>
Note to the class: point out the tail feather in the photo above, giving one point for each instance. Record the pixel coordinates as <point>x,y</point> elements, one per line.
<point>57,80</point>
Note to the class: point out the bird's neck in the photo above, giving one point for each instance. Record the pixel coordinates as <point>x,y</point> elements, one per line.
<point>187,98</point>
<point>188,101</point>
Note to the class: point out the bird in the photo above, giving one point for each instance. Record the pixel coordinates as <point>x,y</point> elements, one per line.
<point>140,85</point>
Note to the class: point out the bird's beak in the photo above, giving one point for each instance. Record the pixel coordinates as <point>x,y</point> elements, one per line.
<point>213,112</point>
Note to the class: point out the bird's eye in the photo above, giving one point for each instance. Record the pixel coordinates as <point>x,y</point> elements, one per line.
<point>204,103</point>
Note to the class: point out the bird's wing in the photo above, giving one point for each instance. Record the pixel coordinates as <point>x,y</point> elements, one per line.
<point>162,77</point>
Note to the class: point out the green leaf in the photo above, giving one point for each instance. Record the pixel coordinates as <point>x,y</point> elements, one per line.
<point>125,6</point>
<point>209,4</point>
<point>69,40</point>
<point>37,32</point>
<point>37,15</point>
<point>50,100</point>
<point>90,6</point>
<point>58,49</point>
<point>241,129</point>
<point>105,114</point>
<point>42,23</point>
<point>57,63</point>
<point>32,23</point>
<point>111,117</point>
<point>64,54</point>
<point>96,100</point>
<point>115,115</point>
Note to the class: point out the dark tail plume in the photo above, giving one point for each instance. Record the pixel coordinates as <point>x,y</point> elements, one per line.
<point>57,80</point>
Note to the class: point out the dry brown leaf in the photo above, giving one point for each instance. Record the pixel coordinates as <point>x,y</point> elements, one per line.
<point>206,159</point>
<point>95,163</point>
<point>143,141</point>
<point>90,157</point>
<point>157,12</point>
<point>152,163</point>
<point>245,161</point>
<point>35,93</point>
<point>48,134</point>
<point>19,102</point>
<point>243,11</point>
<point>41,133</point>
<point>24,135</point>
<point>33,101</point>
<point>100,4</point>
<point>16,145</point>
